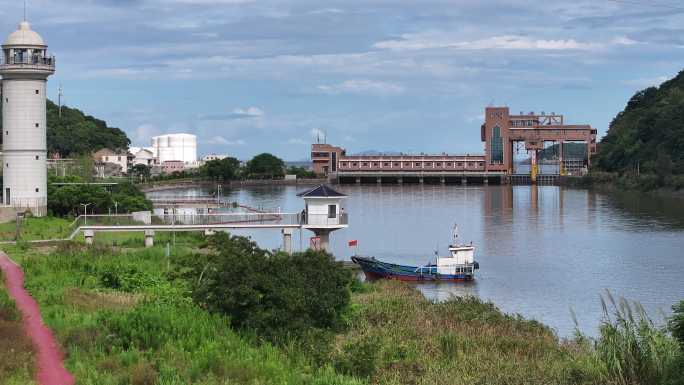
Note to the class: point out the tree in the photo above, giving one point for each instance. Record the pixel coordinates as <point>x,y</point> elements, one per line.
<point>265,166</point>
<point>223,169</point>
<point>66,199</point>
<point>75,133</point>
<point>301,172</point>
<point>141,170</point>
<point>274,294</point>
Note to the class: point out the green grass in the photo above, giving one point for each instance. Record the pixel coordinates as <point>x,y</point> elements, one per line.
<point>396,336</point>
<point>37,229</point>
<point>120,321</point>
<point>16,350</point>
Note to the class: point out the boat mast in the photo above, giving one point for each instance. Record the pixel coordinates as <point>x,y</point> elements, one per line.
<point>455,235</point>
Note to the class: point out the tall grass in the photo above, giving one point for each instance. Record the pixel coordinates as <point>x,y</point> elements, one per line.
<point>632,349</point>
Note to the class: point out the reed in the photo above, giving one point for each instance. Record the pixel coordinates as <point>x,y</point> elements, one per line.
<point>632,349</point>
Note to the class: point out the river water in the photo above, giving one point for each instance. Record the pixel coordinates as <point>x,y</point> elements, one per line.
<point>542,250</point>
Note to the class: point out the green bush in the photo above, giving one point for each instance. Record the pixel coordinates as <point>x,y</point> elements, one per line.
<point>276,295</point>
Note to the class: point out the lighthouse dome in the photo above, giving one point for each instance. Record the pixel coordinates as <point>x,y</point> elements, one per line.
<point>25,36</point>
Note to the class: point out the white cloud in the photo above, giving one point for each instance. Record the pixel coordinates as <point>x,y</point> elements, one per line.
<point>236,114</point>
<point>223,141</point>
<point>439,40</point>
<point>362,87</point>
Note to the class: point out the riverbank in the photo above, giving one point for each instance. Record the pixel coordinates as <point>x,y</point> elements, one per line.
<point>672,186</point>
<point>121,317</point>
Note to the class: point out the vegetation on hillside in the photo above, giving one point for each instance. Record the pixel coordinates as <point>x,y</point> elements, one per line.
<point>76,133</point>
<point>647,138</point>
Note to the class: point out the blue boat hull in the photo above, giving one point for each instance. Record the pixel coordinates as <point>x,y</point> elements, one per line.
<point>375,269</point>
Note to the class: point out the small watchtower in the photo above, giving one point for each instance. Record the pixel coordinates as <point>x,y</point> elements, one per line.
<point>323,212</point>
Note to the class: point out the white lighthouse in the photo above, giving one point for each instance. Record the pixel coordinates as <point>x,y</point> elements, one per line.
<point>25,68</point>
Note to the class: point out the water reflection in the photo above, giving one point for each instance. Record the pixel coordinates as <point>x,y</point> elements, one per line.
<point>542,249</point>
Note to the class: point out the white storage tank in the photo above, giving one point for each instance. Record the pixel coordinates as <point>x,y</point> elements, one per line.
<point>178,147</point>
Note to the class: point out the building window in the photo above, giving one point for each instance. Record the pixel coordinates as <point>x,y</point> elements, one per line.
<point>481,163</point>
<point>37,125</point>
<point>496,146</point>
<point>448,164</point>
<point>385,164</point>
<point>37,157</point>
<point>119,159</point>
<point>354,164</point>
<point>459,164</point>
<point>438,164</point>
<point>407,164</point>
<point>375,164</point>
<point>37,190</point>
<point>332,211</point>
<point>428,164</point>
<point>364,164</point>
<point>417,164</point>
<point>37,93</point>
<point>343,164</point>
<point>396,165</point>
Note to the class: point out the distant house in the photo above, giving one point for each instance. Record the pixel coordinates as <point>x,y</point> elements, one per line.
<point>107,156</point>
<point>143,156</point>
<point>171,166</point>
<point>210,157</point>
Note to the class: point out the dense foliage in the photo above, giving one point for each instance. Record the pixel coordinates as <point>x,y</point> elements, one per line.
<point>274,294</point>
<point>76,133</point>
<point>221,169</point>
<point>265,166</point>
<point>67,199</point>
<point>649,134</point>
<point>120,320</point>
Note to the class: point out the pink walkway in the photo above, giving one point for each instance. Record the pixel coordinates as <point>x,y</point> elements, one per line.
<point>51,369</point>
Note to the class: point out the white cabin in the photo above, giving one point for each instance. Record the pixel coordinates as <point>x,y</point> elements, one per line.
<point>323,208</point>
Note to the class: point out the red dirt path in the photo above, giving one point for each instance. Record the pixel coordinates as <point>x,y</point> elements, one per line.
<point>51,369</point>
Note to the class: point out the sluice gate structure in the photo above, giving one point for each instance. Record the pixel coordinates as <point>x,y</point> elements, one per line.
<point>522,149</point>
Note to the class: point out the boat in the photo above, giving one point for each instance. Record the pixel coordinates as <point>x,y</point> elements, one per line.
<point>458,266</point>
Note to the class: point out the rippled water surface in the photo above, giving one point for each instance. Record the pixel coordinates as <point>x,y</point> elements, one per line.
<point>542,250</point>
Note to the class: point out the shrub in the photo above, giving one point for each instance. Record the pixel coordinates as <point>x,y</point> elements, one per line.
<point>277,295</point>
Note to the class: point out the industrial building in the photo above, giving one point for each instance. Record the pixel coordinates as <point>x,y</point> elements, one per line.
<point>175,147</point>
<point>25,68</point>
<point>525,147</point>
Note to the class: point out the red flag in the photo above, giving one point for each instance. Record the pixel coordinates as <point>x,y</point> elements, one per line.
<point>353,243</point>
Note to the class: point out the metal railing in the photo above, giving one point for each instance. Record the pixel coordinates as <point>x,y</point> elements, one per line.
<point>29,60</point>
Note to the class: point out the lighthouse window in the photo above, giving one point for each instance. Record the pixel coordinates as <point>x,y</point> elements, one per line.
<point>37,125</point>
<point>37,190</point>
<point>37,92</point>
<point>37,157</point>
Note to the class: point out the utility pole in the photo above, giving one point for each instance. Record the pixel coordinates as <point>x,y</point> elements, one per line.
<point>59,99</point>
<point>85,210</point>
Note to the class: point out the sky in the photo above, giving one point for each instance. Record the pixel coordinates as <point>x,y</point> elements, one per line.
<point>250,76</point>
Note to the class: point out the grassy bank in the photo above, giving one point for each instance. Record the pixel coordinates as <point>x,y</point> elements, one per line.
<point>123,316</point>
<point>36,229</point>
<point>121,321</point>
<point>670,185</point>
<point>16,350</point>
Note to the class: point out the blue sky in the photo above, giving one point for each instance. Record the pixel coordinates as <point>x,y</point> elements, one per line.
<point>249,76</point>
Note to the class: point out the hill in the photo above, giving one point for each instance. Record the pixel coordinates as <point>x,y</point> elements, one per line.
<point>77,133</point>
<point>649,134</point>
